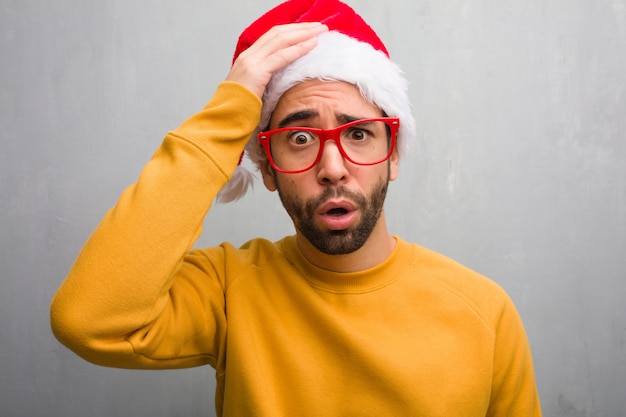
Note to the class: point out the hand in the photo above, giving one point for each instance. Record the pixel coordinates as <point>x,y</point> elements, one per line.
<point>277,48</point>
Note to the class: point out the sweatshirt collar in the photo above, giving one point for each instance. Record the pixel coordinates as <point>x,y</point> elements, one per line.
<point>367,280</point>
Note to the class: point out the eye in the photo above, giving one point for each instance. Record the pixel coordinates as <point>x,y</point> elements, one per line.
<point>357,134</point>
<point>300,137</point>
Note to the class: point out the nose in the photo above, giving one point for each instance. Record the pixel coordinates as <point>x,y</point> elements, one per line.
<point>331,168</point>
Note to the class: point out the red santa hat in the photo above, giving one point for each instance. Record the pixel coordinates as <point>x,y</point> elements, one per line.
<point>350,51</point>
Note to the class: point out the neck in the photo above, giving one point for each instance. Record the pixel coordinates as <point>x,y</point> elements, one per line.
<point>376,249</point>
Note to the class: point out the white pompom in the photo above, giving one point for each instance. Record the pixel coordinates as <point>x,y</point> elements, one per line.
<point>236,188</point>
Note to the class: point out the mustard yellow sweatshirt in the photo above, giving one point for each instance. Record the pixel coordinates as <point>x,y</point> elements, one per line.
<point>418,335</point>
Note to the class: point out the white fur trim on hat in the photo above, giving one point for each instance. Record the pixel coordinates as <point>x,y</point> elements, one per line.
<point>338,57</point>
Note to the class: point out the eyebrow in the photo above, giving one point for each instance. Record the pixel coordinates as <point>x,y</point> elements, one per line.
<point>311,114</point>
<point>297,116</point>
<point>346,118</point>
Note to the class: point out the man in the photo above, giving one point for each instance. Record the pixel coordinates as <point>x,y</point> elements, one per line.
<point>340,319</point>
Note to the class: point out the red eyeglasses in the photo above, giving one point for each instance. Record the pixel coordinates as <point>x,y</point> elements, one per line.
<point>293,150</point>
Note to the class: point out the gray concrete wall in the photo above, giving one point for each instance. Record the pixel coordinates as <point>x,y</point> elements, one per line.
<point>519,173</point>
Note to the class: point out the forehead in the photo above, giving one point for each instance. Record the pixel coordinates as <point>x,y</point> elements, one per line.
<point>324,97</point>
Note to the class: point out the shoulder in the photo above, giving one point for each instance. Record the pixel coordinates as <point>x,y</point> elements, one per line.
<point>254,252</point>
<point>230,262</point>
<point>441,273</point>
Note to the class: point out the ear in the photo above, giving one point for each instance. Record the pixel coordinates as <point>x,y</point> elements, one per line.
<point>268,174</point>
<point>394,165</point>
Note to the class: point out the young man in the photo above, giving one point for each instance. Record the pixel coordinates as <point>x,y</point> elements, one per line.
<point>340,319</point>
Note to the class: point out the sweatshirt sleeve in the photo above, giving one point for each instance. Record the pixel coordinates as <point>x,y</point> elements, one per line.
<point>135,297</point>
<point>514,391</point>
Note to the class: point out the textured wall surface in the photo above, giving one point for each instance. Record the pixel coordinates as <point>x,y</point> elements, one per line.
<point>519,173</point>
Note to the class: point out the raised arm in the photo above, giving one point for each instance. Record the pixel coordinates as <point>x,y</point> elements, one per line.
<point>133,298</point>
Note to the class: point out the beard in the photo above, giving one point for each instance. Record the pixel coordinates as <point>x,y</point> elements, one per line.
<point>336,242</point>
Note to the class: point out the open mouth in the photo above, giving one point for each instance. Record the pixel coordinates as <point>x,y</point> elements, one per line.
<point>338,215</point>
<point>336,212</point>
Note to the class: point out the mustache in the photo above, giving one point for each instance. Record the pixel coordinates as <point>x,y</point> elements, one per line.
<point>334,192</point>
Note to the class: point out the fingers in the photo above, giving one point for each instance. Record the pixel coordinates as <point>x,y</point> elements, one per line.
<point>283,37</point>
<point>277,48</point>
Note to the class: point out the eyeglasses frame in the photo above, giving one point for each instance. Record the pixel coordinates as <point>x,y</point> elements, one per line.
<point>330,134</point>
